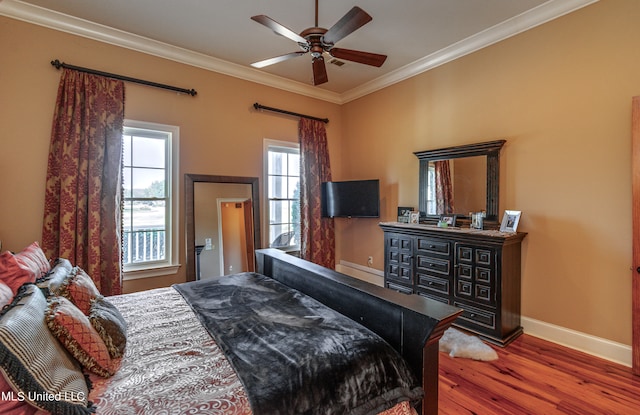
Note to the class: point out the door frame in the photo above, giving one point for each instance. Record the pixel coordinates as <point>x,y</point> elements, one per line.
<point>635,213</point>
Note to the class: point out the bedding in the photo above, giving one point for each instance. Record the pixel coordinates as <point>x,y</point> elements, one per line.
<point>175,355</point>
<point>295,355</point>
<point>172,364</point>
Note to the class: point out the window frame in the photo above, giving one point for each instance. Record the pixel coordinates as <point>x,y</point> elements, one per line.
<point>270,145</point>
<point>170,265</point>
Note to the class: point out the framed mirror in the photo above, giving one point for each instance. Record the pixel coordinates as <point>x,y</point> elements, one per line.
<point>459,180</point>
<point>222,221</point>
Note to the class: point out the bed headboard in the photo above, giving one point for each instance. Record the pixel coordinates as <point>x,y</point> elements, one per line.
<point>409,323</point>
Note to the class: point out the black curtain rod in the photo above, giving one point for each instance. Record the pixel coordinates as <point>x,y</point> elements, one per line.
<point>295,114</point>
<point>59,65</point>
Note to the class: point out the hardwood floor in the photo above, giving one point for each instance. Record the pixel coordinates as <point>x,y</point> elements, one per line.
<point>533,376</point>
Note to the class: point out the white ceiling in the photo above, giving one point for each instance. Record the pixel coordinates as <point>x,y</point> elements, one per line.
<point>416,35</point>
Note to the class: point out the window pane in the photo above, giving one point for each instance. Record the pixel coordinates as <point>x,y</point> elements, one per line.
<point>126,150</point>
<point>293,191</point>
<point>277,187</point>
<point>294,165</point>
<point>281,236</point>
<point>148,182</point>
<point>148,152</point>
<point>126,182</point>
<point>278,211</point>
<point>144,232</point>
<point>277,163</point>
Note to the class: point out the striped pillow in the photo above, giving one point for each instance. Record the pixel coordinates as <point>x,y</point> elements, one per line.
<point>35,363</point>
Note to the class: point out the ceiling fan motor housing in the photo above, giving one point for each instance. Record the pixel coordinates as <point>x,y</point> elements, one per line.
<point>314,36</point>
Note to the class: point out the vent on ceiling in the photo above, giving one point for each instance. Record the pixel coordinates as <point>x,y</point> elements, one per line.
<point>336,62</point>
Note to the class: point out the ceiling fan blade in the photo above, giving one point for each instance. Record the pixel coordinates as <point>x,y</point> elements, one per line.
<point>358,56</point>
<point>319,71</point>
<point>354,19</point>
<point>277,59</point>
<point>278,28</point>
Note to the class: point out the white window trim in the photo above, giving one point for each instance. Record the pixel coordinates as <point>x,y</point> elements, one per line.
<point>267,143</point>
<point>171,266</point>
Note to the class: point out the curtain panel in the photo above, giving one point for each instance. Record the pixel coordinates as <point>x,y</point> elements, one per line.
<point>444,188</point>
<point>317,235</point>
<point>83,212</point>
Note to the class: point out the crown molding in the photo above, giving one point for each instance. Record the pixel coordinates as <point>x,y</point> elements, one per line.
<point>546,12</point>
<point>58,21</point>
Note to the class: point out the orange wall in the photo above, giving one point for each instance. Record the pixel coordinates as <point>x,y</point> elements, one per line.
<point>220,132</point>
<point>560,95</point>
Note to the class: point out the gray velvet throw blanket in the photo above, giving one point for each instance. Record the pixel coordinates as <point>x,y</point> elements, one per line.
<point>295,355</point>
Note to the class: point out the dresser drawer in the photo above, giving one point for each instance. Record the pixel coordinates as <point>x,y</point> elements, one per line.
<point>433,246</point>
<point>435,284</point>
<point>432,265</point>
<point>476,316</point>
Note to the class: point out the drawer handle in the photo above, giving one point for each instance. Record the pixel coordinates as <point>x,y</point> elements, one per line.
<point>430,282</point>
<point>432,246</point>
<point>472,315</point>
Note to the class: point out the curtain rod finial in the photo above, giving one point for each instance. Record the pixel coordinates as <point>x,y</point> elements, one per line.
<point>57,64</point>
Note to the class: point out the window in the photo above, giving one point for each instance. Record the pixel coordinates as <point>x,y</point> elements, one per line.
<point>149,206</point>
<point>431,189</point>
<point>283,194</point>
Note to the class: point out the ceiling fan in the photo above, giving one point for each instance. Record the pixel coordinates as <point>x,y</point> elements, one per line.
<point>318,40</point>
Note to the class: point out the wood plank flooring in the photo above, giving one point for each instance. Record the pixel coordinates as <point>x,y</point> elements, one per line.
<point>533,376</point>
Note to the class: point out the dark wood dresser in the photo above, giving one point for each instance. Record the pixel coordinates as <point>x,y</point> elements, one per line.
<point>476,270</point>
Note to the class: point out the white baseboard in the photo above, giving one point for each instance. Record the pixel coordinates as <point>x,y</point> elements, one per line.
<point>597,346</point>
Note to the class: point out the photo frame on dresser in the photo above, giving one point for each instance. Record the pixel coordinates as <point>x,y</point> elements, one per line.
<point>510,221</point>
<point>449,219</point>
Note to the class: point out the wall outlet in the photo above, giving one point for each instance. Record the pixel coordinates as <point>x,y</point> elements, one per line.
<point>370,261</point>
<point>207,244</point>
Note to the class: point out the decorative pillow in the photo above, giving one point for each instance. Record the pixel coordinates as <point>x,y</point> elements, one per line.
<point>61,269</point>
<point>11,402</point>
<point>35,363</point>
<point>33,259</point>
<point>110,324</point>
<point>6,295</point>
<point>12,274</point>
<point>76,333</point>
<point>77,286</point>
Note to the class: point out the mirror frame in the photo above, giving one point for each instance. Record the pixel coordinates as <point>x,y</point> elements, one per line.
<point>491,149</point>
<point>189,181</point>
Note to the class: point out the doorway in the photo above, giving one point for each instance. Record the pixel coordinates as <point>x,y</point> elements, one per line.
<point>235,236</point>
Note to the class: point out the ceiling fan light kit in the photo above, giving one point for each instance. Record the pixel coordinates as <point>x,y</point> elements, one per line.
<point>318,40</point>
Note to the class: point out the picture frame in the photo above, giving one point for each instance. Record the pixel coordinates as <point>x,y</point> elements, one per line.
<point>404,214</point>
<point>415,217</point>
<point>510,221</point>
<point>449,219</point>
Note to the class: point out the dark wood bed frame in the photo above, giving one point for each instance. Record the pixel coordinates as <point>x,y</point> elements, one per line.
<point>411,324</point>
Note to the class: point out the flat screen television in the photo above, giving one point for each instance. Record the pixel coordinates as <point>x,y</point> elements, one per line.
<point>351,199</point>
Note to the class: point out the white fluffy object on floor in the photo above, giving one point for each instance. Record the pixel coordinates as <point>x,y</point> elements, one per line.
<point>458,344</point>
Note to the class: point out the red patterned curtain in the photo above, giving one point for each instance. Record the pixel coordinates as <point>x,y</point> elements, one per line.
<point>82,211</point>
<point>317,240</point>
<point>444,188</point>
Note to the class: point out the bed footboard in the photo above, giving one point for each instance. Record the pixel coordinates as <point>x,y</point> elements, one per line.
<point>411,324</point>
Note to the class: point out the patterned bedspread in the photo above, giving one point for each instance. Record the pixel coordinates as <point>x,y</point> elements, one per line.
<point>172,365</point>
